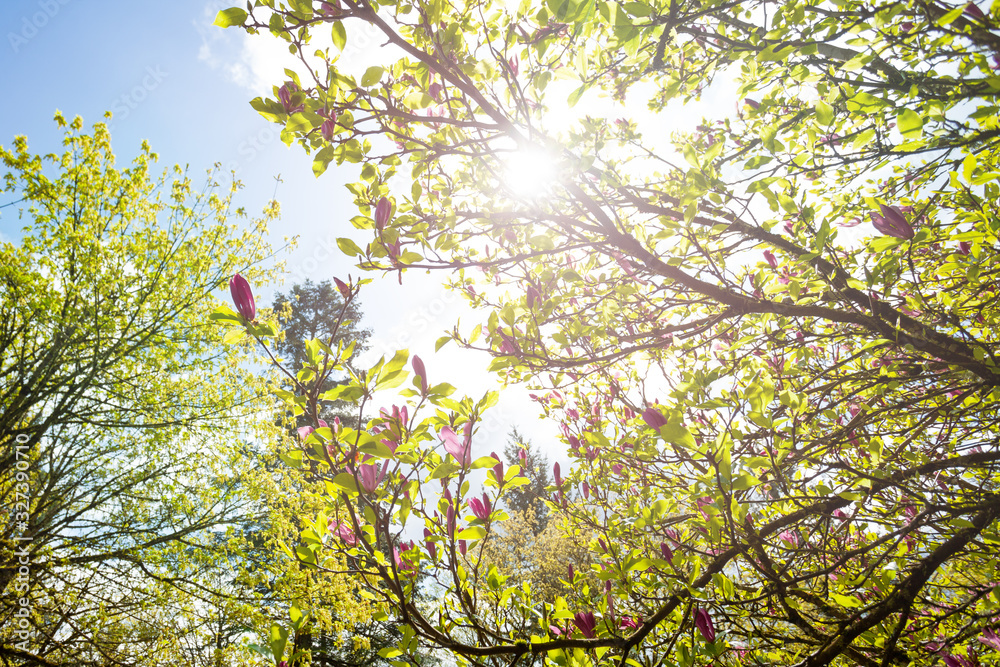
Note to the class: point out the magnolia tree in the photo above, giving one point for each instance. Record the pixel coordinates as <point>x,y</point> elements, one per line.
<point>770,340</point>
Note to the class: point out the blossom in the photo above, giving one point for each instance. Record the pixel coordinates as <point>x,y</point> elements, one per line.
<point>371,475</point>
<point>243,297</point>
<point>344,532</point>
<point>587,624</point>
<point>461,450</point>
<point>285,96</point>
<point>383,210</point>
<point>305,431</point>
<point>753,104</point>
<point>703,622</point>
<point>668,555</point>
<point>497,469</point>
<point>892,223</point>
<point>330,8</point>
<point>628,623</point>
<point>975,12</point>
<point>418,368</point>
<point>431,546</point>
<point>532,296</point>
<point>654,418</point>
<point>481,508</point>
<point>990,638</point>
<point>342,287</point>
<point>397,557</point>
<point>570,572</point>
<point>463,547</point>
<point>328,128</point>
<point>556,475</point>
<point>769,256</point>
<point>955,660</point>
<point>965,247</point>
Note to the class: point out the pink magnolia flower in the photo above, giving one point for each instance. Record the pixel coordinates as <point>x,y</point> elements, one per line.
<point>532,296</point>
<point>383,211</point>
<point>892,223</point>
<point>371,475</point>
<point>654,418</point>
<point>343,288</point>
<point>431,546</point>
<point>305,431</point>
<point>418,368</point>
<point>964,247</point>
<point>628,623</point>
<point>990,638</point>
<point>402,564</point>
<point>285,96</point>
<point>328,128</point>
<point>753,104</point>
<point>461,450</point>
<point>668,555</point>
<point>344,532</point>
<point>955,660</point>
<point>703,622</point>
<point>556,475</point>
<point>570,572</point>
<point>512,61</point>
<point>463,547</point>
<point>242,295</point>
<point>481,508</point>
<point>497,469</point>
<point>330,8</point>
<point>771,259</point>
<point>586,623</point>
<point>974,11</point>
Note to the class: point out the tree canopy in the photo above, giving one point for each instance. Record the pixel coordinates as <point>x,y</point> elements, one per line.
<point>769,340</point>
<point>129,431</point>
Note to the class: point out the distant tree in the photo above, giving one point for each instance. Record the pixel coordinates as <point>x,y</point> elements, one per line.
<point>529,499</point>
<point>122,415</point>
<point>315,311</point>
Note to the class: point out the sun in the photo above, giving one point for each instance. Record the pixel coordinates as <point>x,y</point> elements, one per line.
<point>528,172</point>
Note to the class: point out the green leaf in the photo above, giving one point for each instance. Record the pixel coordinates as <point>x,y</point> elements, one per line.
<point>372,75</point>
<point>339,35</point>
<point>774,53</point>
<point>472,533</point>
<point>349,247</point>
<point>824,113</point>
<point>484,462</point>
<point>575,96</point>
<point>968,166</point>
<point>279,637</point>
<point>950,17</point>
<point>909,123</point>
<point>227,18</point>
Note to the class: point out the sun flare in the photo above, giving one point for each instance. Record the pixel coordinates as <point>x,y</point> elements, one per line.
<point>528,172</point>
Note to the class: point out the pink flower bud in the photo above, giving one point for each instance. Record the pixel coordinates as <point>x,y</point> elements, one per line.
<point>383,211</point>
<point>242,295</point>
<point>418,368</point>
<point>328,128</point>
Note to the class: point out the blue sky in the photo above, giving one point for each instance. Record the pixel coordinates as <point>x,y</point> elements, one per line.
<point>173,79</point>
